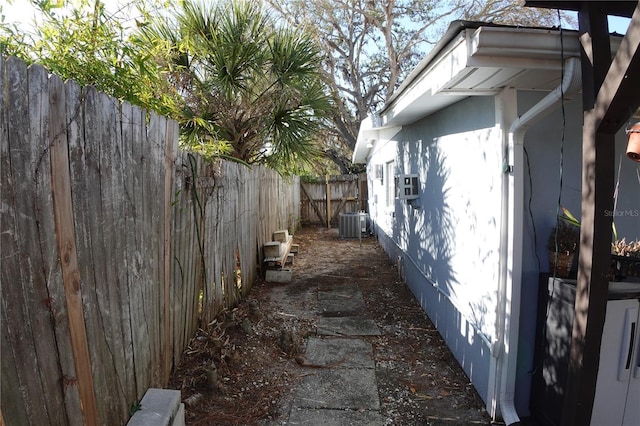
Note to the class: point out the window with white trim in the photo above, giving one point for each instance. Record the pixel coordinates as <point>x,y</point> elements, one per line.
<point>389,181</point>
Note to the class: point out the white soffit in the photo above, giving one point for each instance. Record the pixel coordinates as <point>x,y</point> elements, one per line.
<point>481,62</point>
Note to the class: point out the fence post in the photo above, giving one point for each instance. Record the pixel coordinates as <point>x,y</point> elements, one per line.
<point>66,241</point>
<point>328,201</point>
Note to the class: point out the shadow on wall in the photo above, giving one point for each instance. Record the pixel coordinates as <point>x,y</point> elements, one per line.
<point>426,235</point>
<point>426,232</point>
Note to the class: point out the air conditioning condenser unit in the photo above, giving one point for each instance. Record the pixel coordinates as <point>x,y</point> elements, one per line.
<point>352,225</point>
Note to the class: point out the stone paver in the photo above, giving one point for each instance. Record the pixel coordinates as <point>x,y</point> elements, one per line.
<point>347,326</point>
<point>347,388</point>
<point>339,353</point>
<point>341,307</point>
<point>339,388</point>
<point>333,292</point>
<point>328,417</point>
<point>340,300</point>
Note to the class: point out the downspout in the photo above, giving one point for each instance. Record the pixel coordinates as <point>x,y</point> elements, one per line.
<point>506,349</point>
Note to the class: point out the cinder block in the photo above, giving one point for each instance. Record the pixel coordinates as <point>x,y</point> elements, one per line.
<point>278,275</point>
<point>273,249</point>
<point>159,407</point>
<point>289,260</point>
<point>295,248</point>
<point>281,236</point>
<point>179,420</point>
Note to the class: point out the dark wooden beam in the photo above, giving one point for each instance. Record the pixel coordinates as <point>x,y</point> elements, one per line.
<point>619,95</point>
<point>617,8</point>
<point>609,93</point>
<point>592,286</point>
<point>595,233</point>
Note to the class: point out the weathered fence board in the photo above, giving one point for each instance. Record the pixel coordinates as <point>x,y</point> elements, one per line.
<point>186,257</point>
<point>16,331</point>
<point>138,277</point>
<point>66,243</point>
<point>116,247</point>
<point>74,129</point>
<point>29,318</point>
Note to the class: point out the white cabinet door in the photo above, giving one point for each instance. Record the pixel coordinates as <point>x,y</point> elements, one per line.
<point>617,365</point>
<point>632,409</point>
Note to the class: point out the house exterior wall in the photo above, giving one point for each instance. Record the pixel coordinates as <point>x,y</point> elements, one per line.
<point>447,241</point>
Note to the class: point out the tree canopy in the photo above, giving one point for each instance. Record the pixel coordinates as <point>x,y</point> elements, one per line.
<point>252,87</point>
<point>244,84</point>
<point>240,85</point>
<point>371,46</point>
<point>88,44</point>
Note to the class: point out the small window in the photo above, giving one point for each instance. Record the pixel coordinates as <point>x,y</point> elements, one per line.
<point>390,184</point>
<point>378,173</point>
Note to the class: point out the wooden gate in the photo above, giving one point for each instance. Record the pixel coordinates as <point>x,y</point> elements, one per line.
<point>322,199</point>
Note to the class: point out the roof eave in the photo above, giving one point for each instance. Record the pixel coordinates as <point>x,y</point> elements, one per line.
<point>440,78</point>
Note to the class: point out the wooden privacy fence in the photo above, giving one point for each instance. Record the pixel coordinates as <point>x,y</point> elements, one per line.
<point>324,198</point>
<point>115,246</point>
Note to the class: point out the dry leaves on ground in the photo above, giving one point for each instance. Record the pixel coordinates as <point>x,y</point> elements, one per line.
<point>242,369</point>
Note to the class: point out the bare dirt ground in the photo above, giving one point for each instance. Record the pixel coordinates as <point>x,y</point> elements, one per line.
<point>244,368</point>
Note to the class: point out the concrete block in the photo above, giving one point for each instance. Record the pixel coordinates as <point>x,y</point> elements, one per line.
<point>278,275</point>
<point>281,236</point>
<point>273,249</point>
<point>179,420</point>
<point>289,260</point>
<point>159,407</point>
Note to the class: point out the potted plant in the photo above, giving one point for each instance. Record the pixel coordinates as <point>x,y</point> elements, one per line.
<point>562,245</point>
<point>625,258</point>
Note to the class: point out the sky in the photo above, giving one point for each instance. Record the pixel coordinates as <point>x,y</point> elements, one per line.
<point>22,11</point>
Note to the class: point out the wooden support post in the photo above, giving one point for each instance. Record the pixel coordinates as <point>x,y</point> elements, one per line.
<point>597,173</point>
<point>592,287</point>
<point>609,94</point>
<point>66,242</point>
<point>328,202</point>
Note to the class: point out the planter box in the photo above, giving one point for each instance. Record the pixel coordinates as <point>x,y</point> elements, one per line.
<point>561,263</point>
<point>625,266</point>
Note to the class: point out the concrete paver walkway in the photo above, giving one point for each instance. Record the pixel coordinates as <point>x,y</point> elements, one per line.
<point>340,388</point>
<point>365,352</point>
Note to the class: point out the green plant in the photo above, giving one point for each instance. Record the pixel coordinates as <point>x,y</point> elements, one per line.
<point>618,247</point>
<point>568,218</point>
<point>252,88</point>
<point>564,238</point>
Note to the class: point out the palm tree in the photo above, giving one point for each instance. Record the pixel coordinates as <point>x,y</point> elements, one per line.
<point>250,90</point>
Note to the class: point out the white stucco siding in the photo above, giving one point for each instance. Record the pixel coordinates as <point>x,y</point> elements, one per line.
<point>472,162</point>
<point>452,233</point>
<point>447,242</point>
